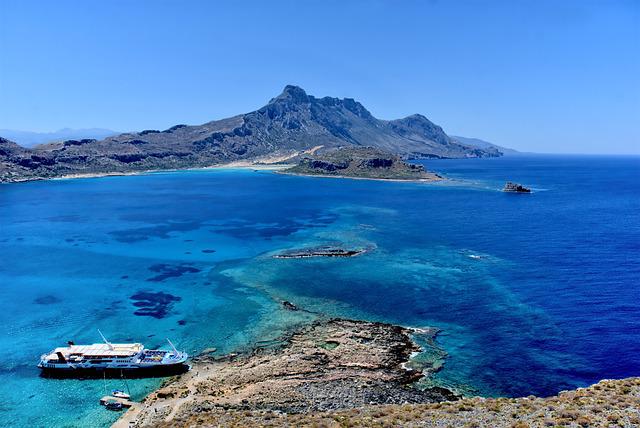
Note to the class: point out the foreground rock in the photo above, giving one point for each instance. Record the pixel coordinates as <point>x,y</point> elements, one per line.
<point>330,365</point>
<point>361,162</point>
<point>515,188</point>
<point>609,403</point>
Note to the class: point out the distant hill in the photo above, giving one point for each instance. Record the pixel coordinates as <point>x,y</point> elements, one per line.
<point>476,142</point>
<point>289,124</point>
<point>31,139</point>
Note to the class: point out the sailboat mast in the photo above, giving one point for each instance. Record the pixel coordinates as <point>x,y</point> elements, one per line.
<point>105,340</point>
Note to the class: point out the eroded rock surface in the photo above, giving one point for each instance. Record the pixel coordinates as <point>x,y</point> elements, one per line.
<point>330,365</point>
<point>515,188</point>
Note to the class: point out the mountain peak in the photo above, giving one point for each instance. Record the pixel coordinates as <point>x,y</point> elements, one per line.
<point>293,93</point>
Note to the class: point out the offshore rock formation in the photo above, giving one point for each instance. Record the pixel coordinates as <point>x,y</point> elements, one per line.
<point>330,365</point>
<point>361,162</point>
<point>289,124</point>
<point>322,251</point>
<point>515,188</point>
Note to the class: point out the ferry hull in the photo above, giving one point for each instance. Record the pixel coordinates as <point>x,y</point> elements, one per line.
<point>163,370</point>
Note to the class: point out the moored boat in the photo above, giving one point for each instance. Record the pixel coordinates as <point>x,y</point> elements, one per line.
<point>113,405</point>
<point>120,394</point>
<point>117,358</point>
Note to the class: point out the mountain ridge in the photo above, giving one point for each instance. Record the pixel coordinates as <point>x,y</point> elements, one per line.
<point>289,123</point>
<point>31,139</point>
<point>477,142</point>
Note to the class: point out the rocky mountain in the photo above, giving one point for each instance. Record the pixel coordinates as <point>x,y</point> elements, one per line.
<point>482,144</point>
<point>31,139</point>
<point>289,124</point>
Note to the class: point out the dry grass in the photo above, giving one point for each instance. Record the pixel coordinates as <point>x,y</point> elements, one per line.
<point>610,403</point>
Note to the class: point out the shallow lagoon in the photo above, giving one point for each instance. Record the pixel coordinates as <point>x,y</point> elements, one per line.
<point>533,293</point>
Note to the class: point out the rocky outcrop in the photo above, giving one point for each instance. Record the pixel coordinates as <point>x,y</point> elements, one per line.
<point>330,365</point>
<point>290,123</point>
<point>323,251</point>
<point>515,188</point>
<point>361,162</point>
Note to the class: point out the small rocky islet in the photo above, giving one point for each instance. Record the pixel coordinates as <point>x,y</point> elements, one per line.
<point>511,187</point>
<point>320,251</point>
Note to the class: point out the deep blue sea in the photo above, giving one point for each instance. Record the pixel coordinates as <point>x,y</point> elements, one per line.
<point>533,293</point>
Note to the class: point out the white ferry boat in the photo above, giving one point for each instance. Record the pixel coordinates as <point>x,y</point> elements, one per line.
<point>80,360</point>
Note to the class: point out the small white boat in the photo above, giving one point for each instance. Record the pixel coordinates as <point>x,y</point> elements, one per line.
<point>120,394</point>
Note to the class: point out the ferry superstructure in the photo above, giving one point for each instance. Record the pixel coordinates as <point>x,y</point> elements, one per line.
<point>107,356</point>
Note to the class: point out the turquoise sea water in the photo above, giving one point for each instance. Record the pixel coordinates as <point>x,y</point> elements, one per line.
<point>533,293</point>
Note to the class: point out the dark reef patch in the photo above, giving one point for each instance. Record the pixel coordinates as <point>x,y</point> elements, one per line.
<point>165,270</point>
<point>181,322</point>
<point>64,218</point>
<point>261,231</point>
<point>161,231</point>
<point>47,300</point>
<point>156,305</point>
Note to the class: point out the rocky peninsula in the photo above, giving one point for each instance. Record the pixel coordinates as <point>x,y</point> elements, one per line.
<point>338,373</point>
<point>327,366</point>
<point>361,162</point>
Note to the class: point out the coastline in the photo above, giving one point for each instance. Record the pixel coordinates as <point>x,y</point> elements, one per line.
<point>397,180</point>
<point>229,165</point>
<point>276,168</point>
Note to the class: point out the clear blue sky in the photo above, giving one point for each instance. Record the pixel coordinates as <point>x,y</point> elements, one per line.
<point>547,76</point>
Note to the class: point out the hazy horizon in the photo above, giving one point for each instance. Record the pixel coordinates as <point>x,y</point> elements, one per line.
<point>540,77</point>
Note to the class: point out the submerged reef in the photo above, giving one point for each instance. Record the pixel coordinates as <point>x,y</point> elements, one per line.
<point>47,300</point>
<point>166,271</point>
<point>155,305</point>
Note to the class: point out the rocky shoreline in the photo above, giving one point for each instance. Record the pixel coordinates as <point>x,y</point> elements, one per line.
<point>338,372</point>
<point>323,251</point>
<point>329,365</point>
